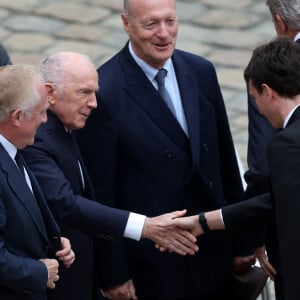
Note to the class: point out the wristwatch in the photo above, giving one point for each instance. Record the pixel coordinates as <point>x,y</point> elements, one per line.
<point>203,222</point>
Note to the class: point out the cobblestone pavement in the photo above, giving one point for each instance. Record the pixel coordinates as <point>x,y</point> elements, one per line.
<point>223,31</point>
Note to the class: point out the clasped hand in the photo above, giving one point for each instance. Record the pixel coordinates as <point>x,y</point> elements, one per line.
<point>169,236</point>
<point>65,255</point>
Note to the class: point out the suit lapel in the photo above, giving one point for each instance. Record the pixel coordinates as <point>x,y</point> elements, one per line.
<point>22,191</point>
<point>140,90</point>
<point>68,144</point>
<point>52,229</point>
<point>190,100</point>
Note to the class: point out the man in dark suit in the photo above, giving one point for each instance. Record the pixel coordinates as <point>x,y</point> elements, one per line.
<point>152,157</point>
<point>273,75</point>
<point>286,16</point>
<point>29,236</point>
<point>71,81</point>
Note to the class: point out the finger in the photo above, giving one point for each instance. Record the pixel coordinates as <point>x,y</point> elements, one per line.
<point>176,249</point>
<point>162,249</point>
<point>51,284</point>
<point>68,257</point>
<point>70,261</point>
<point>270,268</point>
<point>187,240</point>
<point>177,214</point>
<point>267,271</point>
<point>131,289</point>
<point>63,252</point>
<point>179,244</point>
<point>189,236</point>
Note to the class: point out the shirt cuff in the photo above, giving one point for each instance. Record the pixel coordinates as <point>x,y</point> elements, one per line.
<point>134,226</point>
<point>221,217</point>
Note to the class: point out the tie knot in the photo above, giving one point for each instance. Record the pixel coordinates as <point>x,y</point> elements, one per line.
<point>160,76</point>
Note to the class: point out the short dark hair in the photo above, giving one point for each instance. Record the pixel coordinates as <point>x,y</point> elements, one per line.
<point>276,64</point>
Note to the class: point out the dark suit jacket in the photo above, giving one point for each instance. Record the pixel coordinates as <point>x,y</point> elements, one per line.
<point>25,227</point>
<point>258,180</point>
<point>260,133</point>
<point>4,57</point>
<point>54,160</point>
<point>248,215</point>
<point>140,159</point>
<point>284,163</point>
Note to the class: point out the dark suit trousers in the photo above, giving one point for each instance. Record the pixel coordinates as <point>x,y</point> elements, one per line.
<point>220,294</point>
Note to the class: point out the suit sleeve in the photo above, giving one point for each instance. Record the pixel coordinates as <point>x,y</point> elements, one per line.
<point>86,215</point>
<point>247,215</point>
<point>112,259</point>
<point>17,272</point>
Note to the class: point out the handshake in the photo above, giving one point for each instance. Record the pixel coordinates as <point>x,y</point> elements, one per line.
<point>176,233</point>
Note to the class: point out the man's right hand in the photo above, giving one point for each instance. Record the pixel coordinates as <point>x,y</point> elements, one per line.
<point>52,267</point>
<point>125,291</point>
<point>167,235</point>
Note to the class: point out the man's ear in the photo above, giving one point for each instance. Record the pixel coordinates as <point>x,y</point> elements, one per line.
<point>280,25</point>
<point>125,23</point>
<point>16,117</point>
<point>267,92</point>
<point>52,92</point>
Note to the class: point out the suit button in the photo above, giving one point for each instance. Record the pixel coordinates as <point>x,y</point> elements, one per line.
<point>210,184</point>
<point>168,154</point>
<point>205,146</point>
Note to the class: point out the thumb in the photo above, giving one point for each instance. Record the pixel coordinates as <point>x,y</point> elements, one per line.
<point>178,213</point>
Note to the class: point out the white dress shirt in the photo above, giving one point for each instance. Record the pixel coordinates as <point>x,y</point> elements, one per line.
<point>170,84</point>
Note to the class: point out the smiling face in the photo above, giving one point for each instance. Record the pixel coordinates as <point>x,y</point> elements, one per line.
<point>74,103</point>
<point>152,27</point>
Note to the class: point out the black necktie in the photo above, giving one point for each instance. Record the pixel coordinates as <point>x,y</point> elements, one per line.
<point>160,78</point>
<point>19,161</point>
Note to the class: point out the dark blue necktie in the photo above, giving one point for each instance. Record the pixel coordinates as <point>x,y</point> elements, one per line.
<point>160,78</point>
<point>19,161</point>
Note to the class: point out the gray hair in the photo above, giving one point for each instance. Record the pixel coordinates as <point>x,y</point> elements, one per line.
<point>54,68</point>
<point>289,10</point>
<point>18,90</point>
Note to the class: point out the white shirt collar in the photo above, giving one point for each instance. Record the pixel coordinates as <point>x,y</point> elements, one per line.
<point>149,71</point>
<point>297,37</point>
<point>8,146</point>
<point>289,116</point>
